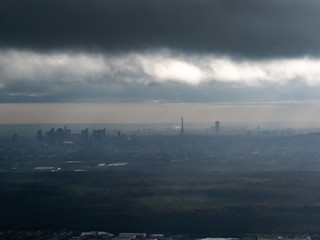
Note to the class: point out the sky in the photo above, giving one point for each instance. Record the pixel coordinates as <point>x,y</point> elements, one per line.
<point>106,61</point>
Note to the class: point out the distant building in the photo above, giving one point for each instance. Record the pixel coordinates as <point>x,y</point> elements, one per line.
<point>40,137</point>
<point>14,138</point>
<point>66,133</point>
<point>99,135</point>
<point>51,136</point>
<point>96,235</point>
<point>57,136</point>
<point>130,236</point>
<point>157,236</point>
<point>62,134</point>
<point>85,135</point>
<point>181,129</point>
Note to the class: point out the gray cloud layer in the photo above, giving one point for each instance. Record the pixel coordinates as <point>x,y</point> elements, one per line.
<point>105,91</point>
<point>250,28</point>
<point>27,76</point>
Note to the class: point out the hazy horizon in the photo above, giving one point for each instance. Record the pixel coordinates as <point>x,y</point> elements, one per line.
<point>289,113</point>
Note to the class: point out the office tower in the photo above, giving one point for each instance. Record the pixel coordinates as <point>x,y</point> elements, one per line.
<point>40,137</point>
<point>66,133</point>
<point>85,135</point>
<point>59,135</point>
<point>181,129</point>
<point>99,135</point>
<point>50,136</point>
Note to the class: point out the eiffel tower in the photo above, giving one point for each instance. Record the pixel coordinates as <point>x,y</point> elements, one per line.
<point>181,129</point>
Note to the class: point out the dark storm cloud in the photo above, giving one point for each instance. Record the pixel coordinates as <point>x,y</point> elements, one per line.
<point>251,28</point>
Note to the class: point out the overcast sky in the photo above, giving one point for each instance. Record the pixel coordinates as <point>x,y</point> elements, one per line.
<point>154,57</point>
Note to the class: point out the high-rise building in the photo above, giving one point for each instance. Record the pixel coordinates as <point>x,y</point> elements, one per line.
<point>85,135</point>
<point>181,129</point>
<point>59,135</point>
<point>99,135</point>
<point>40,137</point>
<point>51,139</point>
<point>66,133</point>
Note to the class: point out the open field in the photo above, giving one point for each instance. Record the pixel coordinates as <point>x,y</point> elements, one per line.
<point>216,203</point>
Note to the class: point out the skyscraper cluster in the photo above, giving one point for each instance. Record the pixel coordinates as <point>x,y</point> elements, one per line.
<point>54,136</point>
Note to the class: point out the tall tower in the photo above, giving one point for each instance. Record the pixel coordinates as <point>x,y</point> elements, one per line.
<point>181,129</point>
<point>217,126</point>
